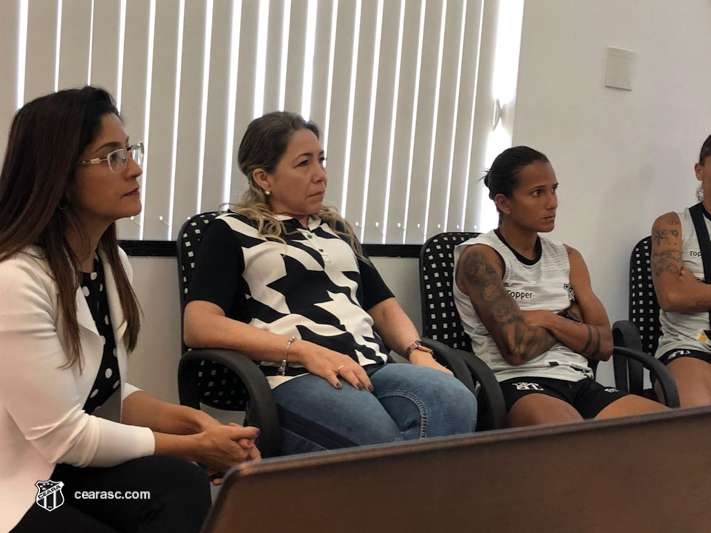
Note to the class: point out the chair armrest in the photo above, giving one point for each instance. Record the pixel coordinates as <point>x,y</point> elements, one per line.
<point>626,334</point>
<point>666,381</point>
<point>262,407</point>
<point>449,357</point>
<point>629,374</point>
<point>465,366</point>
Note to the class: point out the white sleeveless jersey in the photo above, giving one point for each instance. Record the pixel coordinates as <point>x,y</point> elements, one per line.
<point>539,284</point>
<point>680,331</point>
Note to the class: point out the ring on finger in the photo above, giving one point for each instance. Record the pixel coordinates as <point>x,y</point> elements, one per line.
<point>339,368</point>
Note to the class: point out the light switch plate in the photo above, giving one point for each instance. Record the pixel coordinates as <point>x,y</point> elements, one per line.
<point>620,68</point>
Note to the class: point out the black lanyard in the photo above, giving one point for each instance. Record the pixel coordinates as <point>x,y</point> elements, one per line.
<point>702,234</point>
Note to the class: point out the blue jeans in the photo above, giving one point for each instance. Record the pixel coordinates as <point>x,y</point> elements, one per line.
<point>409,402</point>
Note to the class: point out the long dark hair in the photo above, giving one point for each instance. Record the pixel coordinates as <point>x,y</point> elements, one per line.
<point>47,138</point>
<point>502,177</point>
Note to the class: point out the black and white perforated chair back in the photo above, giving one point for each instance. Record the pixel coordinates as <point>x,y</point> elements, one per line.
<point>644,308</point>
<point>636,339</point>
<point>440,319</point>
<point>219,387</point>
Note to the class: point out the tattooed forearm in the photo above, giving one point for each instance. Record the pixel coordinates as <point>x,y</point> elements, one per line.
<point>672,219</point>
<point>666,261</point>
<point>532,341</point>
<point>501,315</point>
<point>592,344</point>
<point>588,340</point>
<point>662,235</point>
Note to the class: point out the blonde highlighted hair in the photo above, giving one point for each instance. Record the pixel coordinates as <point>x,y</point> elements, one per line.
<point>263,147</point>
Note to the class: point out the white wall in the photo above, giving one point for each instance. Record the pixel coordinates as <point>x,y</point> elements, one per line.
<point>154,364</point>
<point>622,158</point>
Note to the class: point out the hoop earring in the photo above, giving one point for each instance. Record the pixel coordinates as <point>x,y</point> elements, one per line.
<point>63,203</point>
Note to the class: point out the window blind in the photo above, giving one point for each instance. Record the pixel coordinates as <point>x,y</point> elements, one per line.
<point>402,91</point>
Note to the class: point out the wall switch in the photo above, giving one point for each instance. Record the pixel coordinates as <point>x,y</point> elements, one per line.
<point>620,68</point>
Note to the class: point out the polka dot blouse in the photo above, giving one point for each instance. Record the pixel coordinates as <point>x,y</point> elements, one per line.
<point>107,380</point>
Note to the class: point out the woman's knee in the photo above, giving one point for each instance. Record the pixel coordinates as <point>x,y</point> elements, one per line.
<point>320,415</point>
<point>537,409</point>
<point>354,425</point>
<point>630,405</point>
<point>459,407</point>
<point>455,393</point>
<point>693,394</point>
<point>443,405</point>
<point>693,379</point>
<point>449,392</point>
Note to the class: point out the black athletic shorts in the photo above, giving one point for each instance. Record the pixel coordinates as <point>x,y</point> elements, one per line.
<point>587,396</point>
<point>678,354</point>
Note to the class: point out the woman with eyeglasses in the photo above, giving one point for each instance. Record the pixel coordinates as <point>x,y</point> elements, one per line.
<point>81,449</point>
<point>284,280</point>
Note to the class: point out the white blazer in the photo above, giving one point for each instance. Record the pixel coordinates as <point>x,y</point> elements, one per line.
<point>42,422</point>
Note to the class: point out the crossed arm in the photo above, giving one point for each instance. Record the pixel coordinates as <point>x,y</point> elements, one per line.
<point>590,336</point>
<point>524,335</point>
<point>677,288</point>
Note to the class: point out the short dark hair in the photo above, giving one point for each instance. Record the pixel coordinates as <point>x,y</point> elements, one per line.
<point>705,150</point>
<point>502,177</point>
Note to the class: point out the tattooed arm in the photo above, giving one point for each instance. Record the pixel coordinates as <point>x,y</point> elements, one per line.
<point>591,337</point>
<point>676,287</point>
<point>479,274</point>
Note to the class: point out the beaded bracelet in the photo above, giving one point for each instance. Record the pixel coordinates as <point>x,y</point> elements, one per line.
<point>282,367</point>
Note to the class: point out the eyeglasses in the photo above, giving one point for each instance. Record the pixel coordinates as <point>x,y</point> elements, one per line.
<point>118,159</point>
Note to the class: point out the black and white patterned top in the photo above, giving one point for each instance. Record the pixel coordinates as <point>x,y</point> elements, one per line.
<point>312,286</point>
<point>108,380</point>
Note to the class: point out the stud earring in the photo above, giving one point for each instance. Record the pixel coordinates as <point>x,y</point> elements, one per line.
<point>267,193</point>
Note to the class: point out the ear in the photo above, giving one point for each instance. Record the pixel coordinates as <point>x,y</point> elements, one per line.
<point>698,168</point>
<point>262,179</point>
<point>502,204</point>
<point>69,190</point>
